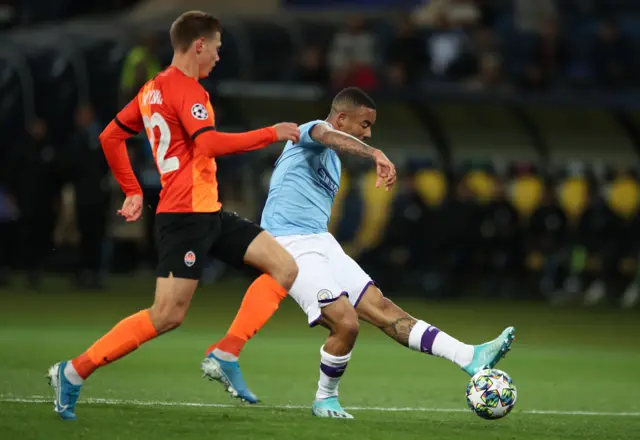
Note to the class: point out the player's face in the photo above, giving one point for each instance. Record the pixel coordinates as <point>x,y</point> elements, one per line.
<point>207,50</point>
<point>358,123</point>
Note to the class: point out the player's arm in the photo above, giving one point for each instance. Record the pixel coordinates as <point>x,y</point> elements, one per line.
<point>215,144</point>
<point>127,123</point>
<point>344,143</point>
<point>196,116</point>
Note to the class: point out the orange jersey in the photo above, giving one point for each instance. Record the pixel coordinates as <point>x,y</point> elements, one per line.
<point>174,110</point>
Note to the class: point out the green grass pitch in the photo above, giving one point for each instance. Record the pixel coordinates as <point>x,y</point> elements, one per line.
<point>576,372</point>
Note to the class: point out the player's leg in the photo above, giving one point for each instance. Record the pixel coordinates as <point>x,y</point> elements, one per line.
<point>263,297</point>
<point>342,321</point>
<point>173,296</point>
<point>182,241</point>
<point>244,242</point>
<point>421,336</point>
<point>325,302</point>
<point>416,334</point>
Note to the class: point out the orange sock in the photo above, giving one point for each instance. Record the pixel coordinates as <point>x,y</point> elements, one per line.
<point>259,304</point>
<point>125,337</point>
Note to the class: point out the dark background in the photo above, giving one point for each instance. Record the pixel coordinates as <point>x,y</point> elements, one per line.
<point>514,124</point>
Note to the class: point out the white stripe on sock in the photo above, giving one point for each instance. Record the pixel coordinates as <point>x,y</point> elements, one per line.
<point>72,375</point>
<point>223,355</point>
<point>415,336</point>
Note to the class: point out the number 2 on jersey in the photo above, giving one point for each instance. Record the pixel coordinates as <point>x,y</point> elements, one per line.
<point>165,164</point>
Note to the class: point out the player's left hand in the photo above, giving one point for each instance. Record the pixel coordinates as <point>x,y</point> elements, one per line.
<point>131,208</point>
<point>386,171</point>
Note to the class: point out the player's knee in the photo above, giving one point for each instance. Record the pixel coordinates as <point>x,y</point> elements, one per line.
<point>291,273</point>
<point>174,319</point>
<point>349,325</point>
<point>167,317</point>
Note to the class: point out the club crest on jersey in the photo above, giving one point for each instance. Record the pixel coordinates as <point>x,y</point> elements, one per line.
<point>199,112</point>
<point>189,259</point>
<point>325,295</point>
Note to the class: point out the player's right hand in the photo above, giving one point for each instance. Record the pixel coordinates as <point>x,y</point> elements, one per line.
<point>287,131</point>
<point>385,169</point>
<point>131,208</point>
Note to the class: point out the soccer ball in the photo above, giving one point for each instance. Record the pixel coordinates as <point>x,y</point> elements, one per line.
<point>491,394</point>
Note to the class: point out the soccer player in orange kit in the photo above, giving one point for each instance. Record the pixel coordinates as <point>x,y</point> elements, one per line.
<point>175,111</point>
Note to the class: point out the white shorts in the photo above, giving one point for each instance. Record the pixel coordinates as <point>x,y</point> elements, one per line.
<point>325,273</point>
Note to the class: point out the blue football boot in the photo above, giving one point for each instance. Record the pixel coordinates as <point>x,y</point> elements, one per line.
<point>228,374</point>
<point>487,355</point>
<point>66,393</point>
<point>329,408</point>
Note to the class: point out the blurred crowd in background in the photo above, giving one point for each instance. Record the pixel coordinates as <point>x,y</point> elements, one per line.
<point>523,44</point>
<point>571,232</point>
<point>487,44</point>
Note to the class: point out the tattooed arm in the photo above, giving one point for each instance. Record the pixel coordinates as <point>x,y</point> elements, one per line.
<point>345,143</point>
<point>342,142</point>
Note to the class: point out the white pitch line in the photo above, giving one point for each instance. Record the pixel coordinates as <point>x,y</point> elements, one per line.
<point>119,402</point>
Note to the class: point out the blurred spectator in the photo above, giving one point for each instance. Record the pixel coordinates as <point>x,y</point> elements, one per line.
<point>456,12</point>
<point>547,238</point>
<point>352,56</point>
<point>140,65</point>
<point>88,172</point>
<point>596,234</point>
<point>550,58</point>
<point>483,61</point>
<point>489,75</point>
<point>446,47</point>
<point>531,16</point>
<point>406,56</point>
<point>610,57</point>
<point>313,68</point>
<point>38,188</point>
<point>460,219</point>
<point>501,235</point>
<point>408,243</point>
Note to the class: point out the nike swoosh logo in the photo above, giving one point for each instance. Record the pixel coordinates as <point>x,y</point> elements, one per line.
<point>60,408</point>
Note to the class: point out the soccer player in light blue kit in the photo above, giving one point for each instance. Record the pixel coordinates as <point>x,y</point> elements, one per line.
<point>332,288</point>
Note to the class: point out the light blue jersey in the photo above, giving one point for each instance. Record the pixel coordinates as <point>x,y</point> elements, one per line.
<point>303,186</point>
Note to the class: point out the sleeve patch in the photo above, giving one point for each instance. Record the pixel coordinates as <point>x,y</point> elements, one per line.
<point>199,112</point>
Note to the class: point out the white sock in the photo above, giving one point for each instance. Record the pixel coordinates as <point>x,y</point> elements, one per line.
<point>224,355</point>
<point>431,340</point>
<point>72,375</point>
<point>331,371</point>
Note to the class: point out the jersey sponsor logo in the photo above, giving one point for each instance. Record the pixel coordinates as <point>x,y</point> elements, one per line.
<point>189,259</point>
<point>199,112</point>
<point>327,181</point>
